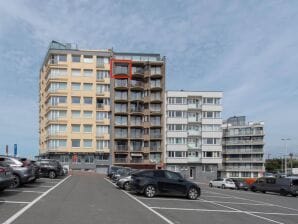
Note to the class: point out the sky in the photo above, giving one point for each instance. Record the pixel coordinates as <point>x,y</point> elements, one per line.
<point>247,49</point>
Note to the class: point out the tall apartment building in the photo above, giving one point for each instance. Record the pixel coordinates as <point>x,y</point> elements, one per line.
<point>243,148</point>
<point>95,106</point>
<point>193,133</point>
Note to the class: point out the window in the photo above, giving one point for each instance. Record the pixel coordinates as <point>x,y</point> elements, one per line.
<point>171,154</point>
<point>101,61</point>
<point>56,114</point>
<point>87,100</point>
<point>87,143</point>
<point>101,88</point>
<point>56,129</point>
<point>87,86</point>
<point>75,86</point>
<point>75,128</point>
<point>173,176</point>
<point>159,173</point>
<point>58,58</point>
<point>103,144</point>
<point>88,73</point>
<point>75,100</point>
<point>155,70</point>
<point>211,141</point>
<point>57,86</point>
<point>87,128</point>
<point>76,58</point>
<point>121,120</point>
<point>102,115</point>
<point>75,143</point>
<point>56,143</point>
<point>100,75</point>
<point>88,59</point>
<point>75,113</point>
<point>57,72</point>
<point>102,129</point>
<point>75,72</point>
<point>87,114</point>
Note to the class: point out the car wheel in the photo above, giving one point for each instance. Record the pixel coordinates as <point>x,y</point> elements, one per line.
<point>126,186</point>
<point>223,186</point>
<point>16,181</point>
<point>253,189</point>
<point>150,191</point>
<point>193,193</point>
<point>210,185</point>
<point>283,192</point>
<point>52,174</point>
<point>294,195</point>
<point>2,189</point>
<point>263,192</point>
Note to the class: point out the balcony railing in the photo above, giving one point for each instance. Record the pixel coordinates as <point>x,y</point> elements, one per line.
<point>122,148</point>
<point>155,148</point>
<point>194,106</point>
<point>138,109</point>
<point>242,151</point>
<point>243,159</point>
<point>136,160</point>
<point>124,97</point>
<point>155,135</point>
<point>240,142</point>
<point>136,98</point>
<point>234,168</point>
<point>137,70</point>
<point>136,135</point>
<point>121,83</point>
<point>194,119</point>
<point>136,123</point>
<point>244,133</point>
<point>155,85</point>
<point>120,135</point>
<point>155,123</point>
<point>120,110</point>
<point>121,123</point>
<point>136,148</point>
<point>121,160</point>
<point>100,106</point>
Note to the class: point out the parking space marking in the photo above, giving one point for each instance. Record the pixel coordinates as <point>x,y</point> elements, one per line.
<point>247,199</point>
<point>146,206</point>
<point>15,202</point>
<point>20,212</point>
<point>37,192</point>
<point>248,213</point>
<point>224,211</point>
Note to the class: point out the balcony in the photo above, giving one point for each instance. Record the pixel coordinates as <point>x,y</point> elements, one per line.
<point>136,160</point>
<point>243,151</point>
<point>247,169</point>
<point>117,135</point>
<point>253,159</point>
<point>155,72</point>
<point>136,110</point>
<point>194,106</point>
<point>136,98</point>
<point>135,123</point>
<point>137,84</point>
<point>244,133</point>
<point>155,123</point>
<point>155,98</point>
<point>136,135</point>
<point>136,148</point>
<point>137,71</point>
<point>120,110</point>
<point>244,142</point>
<point>155,135</point>
<point>193,145</point>
<point>155,149</point>
<point>194,132</point>
<point>121,148</point>
<point>121,123</point>
<point>194,119</point>
<point>193,159</point>
<point>121,84</point>
<point>155,86</point>
<point>121,160</point>
<point>121,98</point>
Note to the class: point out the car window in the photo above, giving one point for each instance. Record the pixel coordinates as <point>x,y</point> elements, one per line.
<point>173,175</point>
<point>270,181</point>
<point>229,180</point>
<point>159,173</point>
<point>261,180</point>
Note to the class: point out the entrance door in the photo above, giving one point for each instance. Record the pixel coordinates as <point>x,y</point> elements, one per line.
<point>192,172</point>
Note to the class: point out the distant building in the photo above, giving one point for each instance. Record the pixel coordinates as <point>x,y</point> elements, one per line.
<point>242,148</point>
<point>193,133</point>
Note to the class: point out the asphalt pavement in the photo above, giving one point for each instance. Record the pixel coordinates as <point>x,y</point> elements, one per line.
<point>91,198</point>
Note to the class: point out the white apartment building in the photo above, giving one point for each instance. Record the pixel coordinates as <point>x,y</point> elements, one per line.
<point>193,133</point>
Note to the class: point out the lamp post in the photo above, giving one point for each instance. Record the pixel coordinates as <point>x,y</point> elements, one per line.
<point>286,147</point>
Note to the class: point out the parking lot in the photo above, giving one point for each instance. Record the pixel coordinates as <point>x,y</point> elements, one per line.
<point>91,198</point>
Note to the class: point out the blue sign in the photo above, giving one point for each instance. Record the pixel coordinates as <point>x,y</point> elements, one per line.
<point>15,149</point>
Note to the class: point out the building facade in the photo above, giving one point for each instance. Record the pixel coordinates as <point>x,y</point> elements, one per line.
<point>95,105</point>
<point>243,148</point>
<point>193,133</point>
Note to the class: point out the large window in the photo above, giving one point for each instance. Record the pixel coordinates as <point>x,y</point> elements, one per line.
<point>56,114</point>
<point>87,128</point>
<point>55,100</point>
<point>87,114</point>
<point>102,115</point>
<point>101,61</point>
<point>75,86</point>
<point>87,100</point>
<point>75,114</point>
<point>101,88</point>
<point>56,143</point>
<point>75,100</point>
<point>102,130</point>
<point>102,144</point>
<point>88,59</point>
<point>75,128</point>
<point>100,75</point>
<point>76,58</point>
<point>54,86</point>
<point>88,72</point>
<point>87,86</point>
<point>76,72</point>
<point>87,143</point>
<point>211,114</point>
<point>210,100</point>
<point>121,120</point>
<point>57,72</point>
<point>56,129</point>
<point>177,100</point>
<point>211,141</point>
<point>177,141</point>
<point>155,70</point>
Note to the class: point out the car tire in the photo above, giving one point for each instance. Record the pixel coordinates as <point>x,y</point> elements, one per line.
<point>192,193</point>
<point>294,195</point>
<point>16,181</point>
<point>52,174</point>
<point>210,185</point>
<point>223,186</point>
<point>126,186</point>
<point>150,191</point>
<point>253,189</point>
<point>282,192</point>
<point>264,192</point>
<point>2,189</point>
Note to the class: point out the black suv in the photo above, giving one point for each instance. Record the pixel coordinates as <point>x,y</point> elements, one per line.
<point>50,168</point>
<point>163,182</point>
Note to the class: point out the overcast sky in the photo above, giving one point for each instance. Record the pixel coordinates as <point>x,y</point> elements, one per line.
<point>248,49</point>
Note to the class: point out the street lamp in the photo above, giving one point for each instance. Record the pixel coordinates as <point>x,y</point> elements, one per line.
<point>286,146</point>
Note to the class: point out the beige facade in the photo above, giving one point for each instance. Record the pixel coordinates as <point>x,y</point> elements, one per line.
<point>78,121</point>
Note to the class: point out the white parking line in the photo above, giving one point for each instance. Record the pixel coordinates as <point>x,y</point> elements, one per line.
<point>20,212</point>
<point>15,202</point>
<point>270,204</point>
<point>225,211</point>
<point>137,200</point>
<point>37,192</point>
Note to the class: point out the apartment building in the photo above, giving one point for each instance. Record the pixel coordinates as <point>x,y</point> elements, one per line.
<point>137,89</point>
<point>243,148</point>
<point>193,133</point>
<point>98,107</point>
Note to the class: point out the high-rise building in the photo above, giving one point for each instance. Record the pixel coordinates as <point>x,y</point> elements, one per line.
<point>98,107</point>
<point>193,133</point>
<point>243,148</point>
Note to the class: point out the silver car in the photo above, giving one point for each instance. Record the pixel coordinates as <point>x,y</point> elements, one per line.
<point>6,177</point>
<point>124,183</point>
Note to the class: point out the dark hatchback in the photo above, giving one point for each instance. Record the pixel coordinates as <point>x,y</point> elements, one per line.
<point>50,168</point>
<point>163,182</point>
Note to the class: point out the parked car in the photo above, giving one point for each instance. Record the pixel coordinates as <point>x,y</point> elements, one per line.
<point>35,167</point>
<point>283,185</point>
<point>22,171</point>
<point>112,170</point>
<point>223,183</point>
<point>163,182</point>
<point>6,178</point>
<point>124,183</point>
<point>50,168</point>
<point>240,184</point>
<point>120,173</point>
